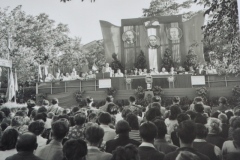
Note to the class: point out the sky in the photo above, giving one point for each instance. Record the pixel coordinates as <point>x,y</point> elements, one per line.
<point>83,17</point>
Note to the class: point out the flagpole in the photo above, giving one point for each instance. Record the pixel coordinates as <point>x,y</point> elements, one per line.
<point>15,98</point>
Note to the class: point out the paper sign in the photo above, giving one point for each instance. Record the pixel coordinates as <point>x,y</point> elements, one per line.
<point>198,80</point>
<point>5,63</point>
<point>105,83</point>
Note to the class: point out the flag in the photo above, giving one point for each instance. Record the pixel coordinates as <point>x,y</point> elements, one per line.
<point>10,90</point>
<point>15,81</point>
<point>39,72</point>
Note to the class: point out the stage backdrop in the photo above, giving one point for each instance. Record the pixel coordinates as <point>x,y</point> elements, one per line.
<point>153,35</point>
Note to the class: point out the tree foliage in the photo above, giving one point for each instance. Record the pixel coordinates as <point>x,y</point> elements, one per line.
<point>116,64</point>
<point>167,61</point>
<point>191,59</point>
<point>141,62</point>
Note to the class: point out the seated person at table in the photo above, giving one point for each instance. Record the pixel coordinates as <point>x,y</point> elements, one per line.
<point>61,77</point>
<point>164,72</point>
<point>140,72</point>
<point>74,74</point>
<point>144,72</point>
<point>67,77</point>
<point>136,72</point>
<point>49,78</point>
<point>180,70</point>
<point>107,69</point>
<point>119,73</point>
<point>154,72</point>
<point>211,70</point>
<point>57,75</point>
<point>172,71</point>
<point>191,70</point>
<point>91,75</point>
<point>200,70</point>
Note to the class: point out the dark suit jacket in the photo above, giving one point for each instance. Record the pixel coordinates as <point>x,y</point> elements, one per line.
<point>149,153</point>
<point>23,156</point>
<point>173,155</point>
<point>122,140</point>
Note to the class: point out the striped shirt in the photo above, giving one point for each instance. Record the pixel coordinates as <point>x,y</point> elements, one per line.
<point>133,134</point>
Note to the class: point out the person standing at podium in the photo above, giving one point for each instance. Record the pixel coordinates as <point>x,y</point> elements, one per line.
<point>107,69</point>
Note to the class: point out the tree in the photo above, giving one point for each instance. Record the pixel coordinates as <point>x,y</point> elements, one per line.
<point>141,62</point>
<point>167,60</point>
<point>191,59</point>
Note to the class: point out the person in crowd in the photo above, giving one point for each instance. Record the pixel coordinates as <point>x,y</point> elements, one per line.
<point>185,155</point>
<point>49,78</point>
<point>55,108</point>
<point>135,72</point>
<point>152,114</point>
<point>200,144</point>
<point>37,128</point>
<point>145,72</point>
<point>77,131</point>
<point>122,129</point>
<point>112,109</point>
<point>234,124</point>
<point>104,120</point>
<point>154,72</point>
<point>214,126</point>
<point>94,137</point>
<point>187,133</point>
<point>200,116</point>
<point>160,142</point>
<point>45,103</point>
<point>171,122</point>
<point>225,126</point>
<point>18,123</point>
<point>200,70</point>
<point>91,75</point>
<point>30,105</point>
<point>133,106</point>
<point>132,119</point>
<point>128,152</point>
<point>119,73</point>
<point>53,150</point>
<point>7,117</point>
<point>42,110</point>
<point>222,105</point>
<point>191,70</point>
<point>180,118</point>
<point>232,146</point>
<point>199,100</point>
<point>26,144</point>
<point>157,99</point>
<point>164,71</point>
<point>140,72</point>
<point>172,71</point>
<point>109,100</point>
<point>67,77</point>
<point>75,149</point>
<point>176,100</point>
<point>62,77</point>
<point>148,131</point>
<point>180,70</point>
<point>8,143</point>
<point>90,102</point>
<point>211,70</point>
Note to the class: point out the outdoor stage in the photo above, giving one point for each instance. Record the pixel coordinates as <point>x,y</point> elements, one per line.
<point>182,86</point>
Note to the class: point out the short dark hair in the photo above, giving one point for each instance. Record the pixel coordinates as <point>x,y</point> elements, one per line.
<point>200,119</point>
<point>223,100</point>
<point>2,116</point>
<point>108,99</point>
<point>125,112</point>
<point>148,131</point>
<point>201,131</point>
<point>75,149</point>
<point>161,128</point>
<point>236,136</point>
<point>156,99</point>
<point>152,113</point>
<point>41,116</point>
<point>112,108</point>
<point>174,112</point>
<point>42,110</point>
<point>59,129</point>
<point>54,101</point>
<point>36,127</point>
<point>89,99</point>
<point>105,118</point>
<point>182,117</point>
<point>94,134</point>
<point>132,99</point>
<point>9,139</point>
<point>20,113</point>
<point>6,111</point>
<point>75,109</point>
<point>192,114</point>
<point>45,102</point>
<point>132,119</point>
<point>80,118</point>
<point>199,108</point>
<point>122,126</point>
<point>127,152</point>
<point>176,99</point>
<point>155,105</point>
<point>30,103</point>
<point>26,142</point>
<point>198,99</point>
<point>187,131</point>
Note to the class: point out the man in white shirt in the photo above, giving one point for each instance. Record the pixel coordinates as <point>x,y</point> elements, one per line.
<point>164,72</point>
<point>154,72</point>
<point>119,73</point>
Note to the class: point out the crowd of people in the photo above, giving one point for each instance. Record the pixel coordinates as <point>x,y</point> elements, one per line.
<point>200,70</point>
<point>111,132</point>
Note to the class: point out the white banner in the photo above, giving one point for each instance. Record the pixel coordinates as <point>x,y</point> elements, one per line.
<point>105,83</point>
<point>198,80</point>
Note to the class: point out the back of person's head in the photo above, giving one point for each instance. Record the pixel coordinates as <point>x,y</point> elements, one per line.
<point>54,101</point>
<point>125,112</point>
<point>30,103</point>
<point>128,152</point>
<point>92,117</point>
<point>199,108</point>
<point>156,99</point>
<point>89,99</point>
<point>174,112</point>
<point>75,109</point>
<point>17,121</point>
<point>59,129</point>
<point>215,114</point>
<point>223,118</point>
<point>122,127</point>
<point>25,110</point>
<point>155,105</point>
<point>41,116</point>
<point>176,100</point>
<point>184,107</point>
<point>26,142</point>
<point>132,99</point>
<point>161,128</point>
<point>42,110</point>
<point>109,99</point>
<point>94,134</point>
<point>187,131</point>
<point>9,139</point>
<point>45,102</point>
<point>6,111</point>
<point>222,100</point>
<point>214,125</point>
<point>36,127</point>
<point>33,114</point>
<point>182,117</point>
<point>235,122</point>
<point>186,155</point>
<point>75,149</point>
<point>112,108</point>
<point>192,114</point>
<point>148,131</point>
<point>198,100</point>
<point>50,115</point>
<point>152,113</point>
<point>200,119</point>
<point>80,118</point>
<point>201,131</point>
<point>2,116</point>
<point>132,119</point>
<point>20,113</point>
<point>104,118</point>
<point>236,137</point>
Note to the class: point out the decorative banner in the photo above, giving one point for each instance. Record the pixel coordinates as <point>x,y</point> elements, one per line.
<point>198,80</point>
<point>153,42</point>
<point>105,83</point>
<point>174,33</point>
<point>152,52</point>
<point>129,37</point>
<point>5,63</point>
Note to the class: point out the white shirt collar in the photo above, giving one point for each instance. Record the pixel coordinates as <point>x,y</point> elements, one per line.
<point>146,144</point>
<point>199,140</point>
<point>92,147</point>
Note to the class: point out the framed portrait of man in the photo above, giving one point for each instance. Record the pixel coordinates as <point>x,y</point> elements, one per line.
<point>129,37</point>
<point>174,33</point>
<point>153,41</point>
